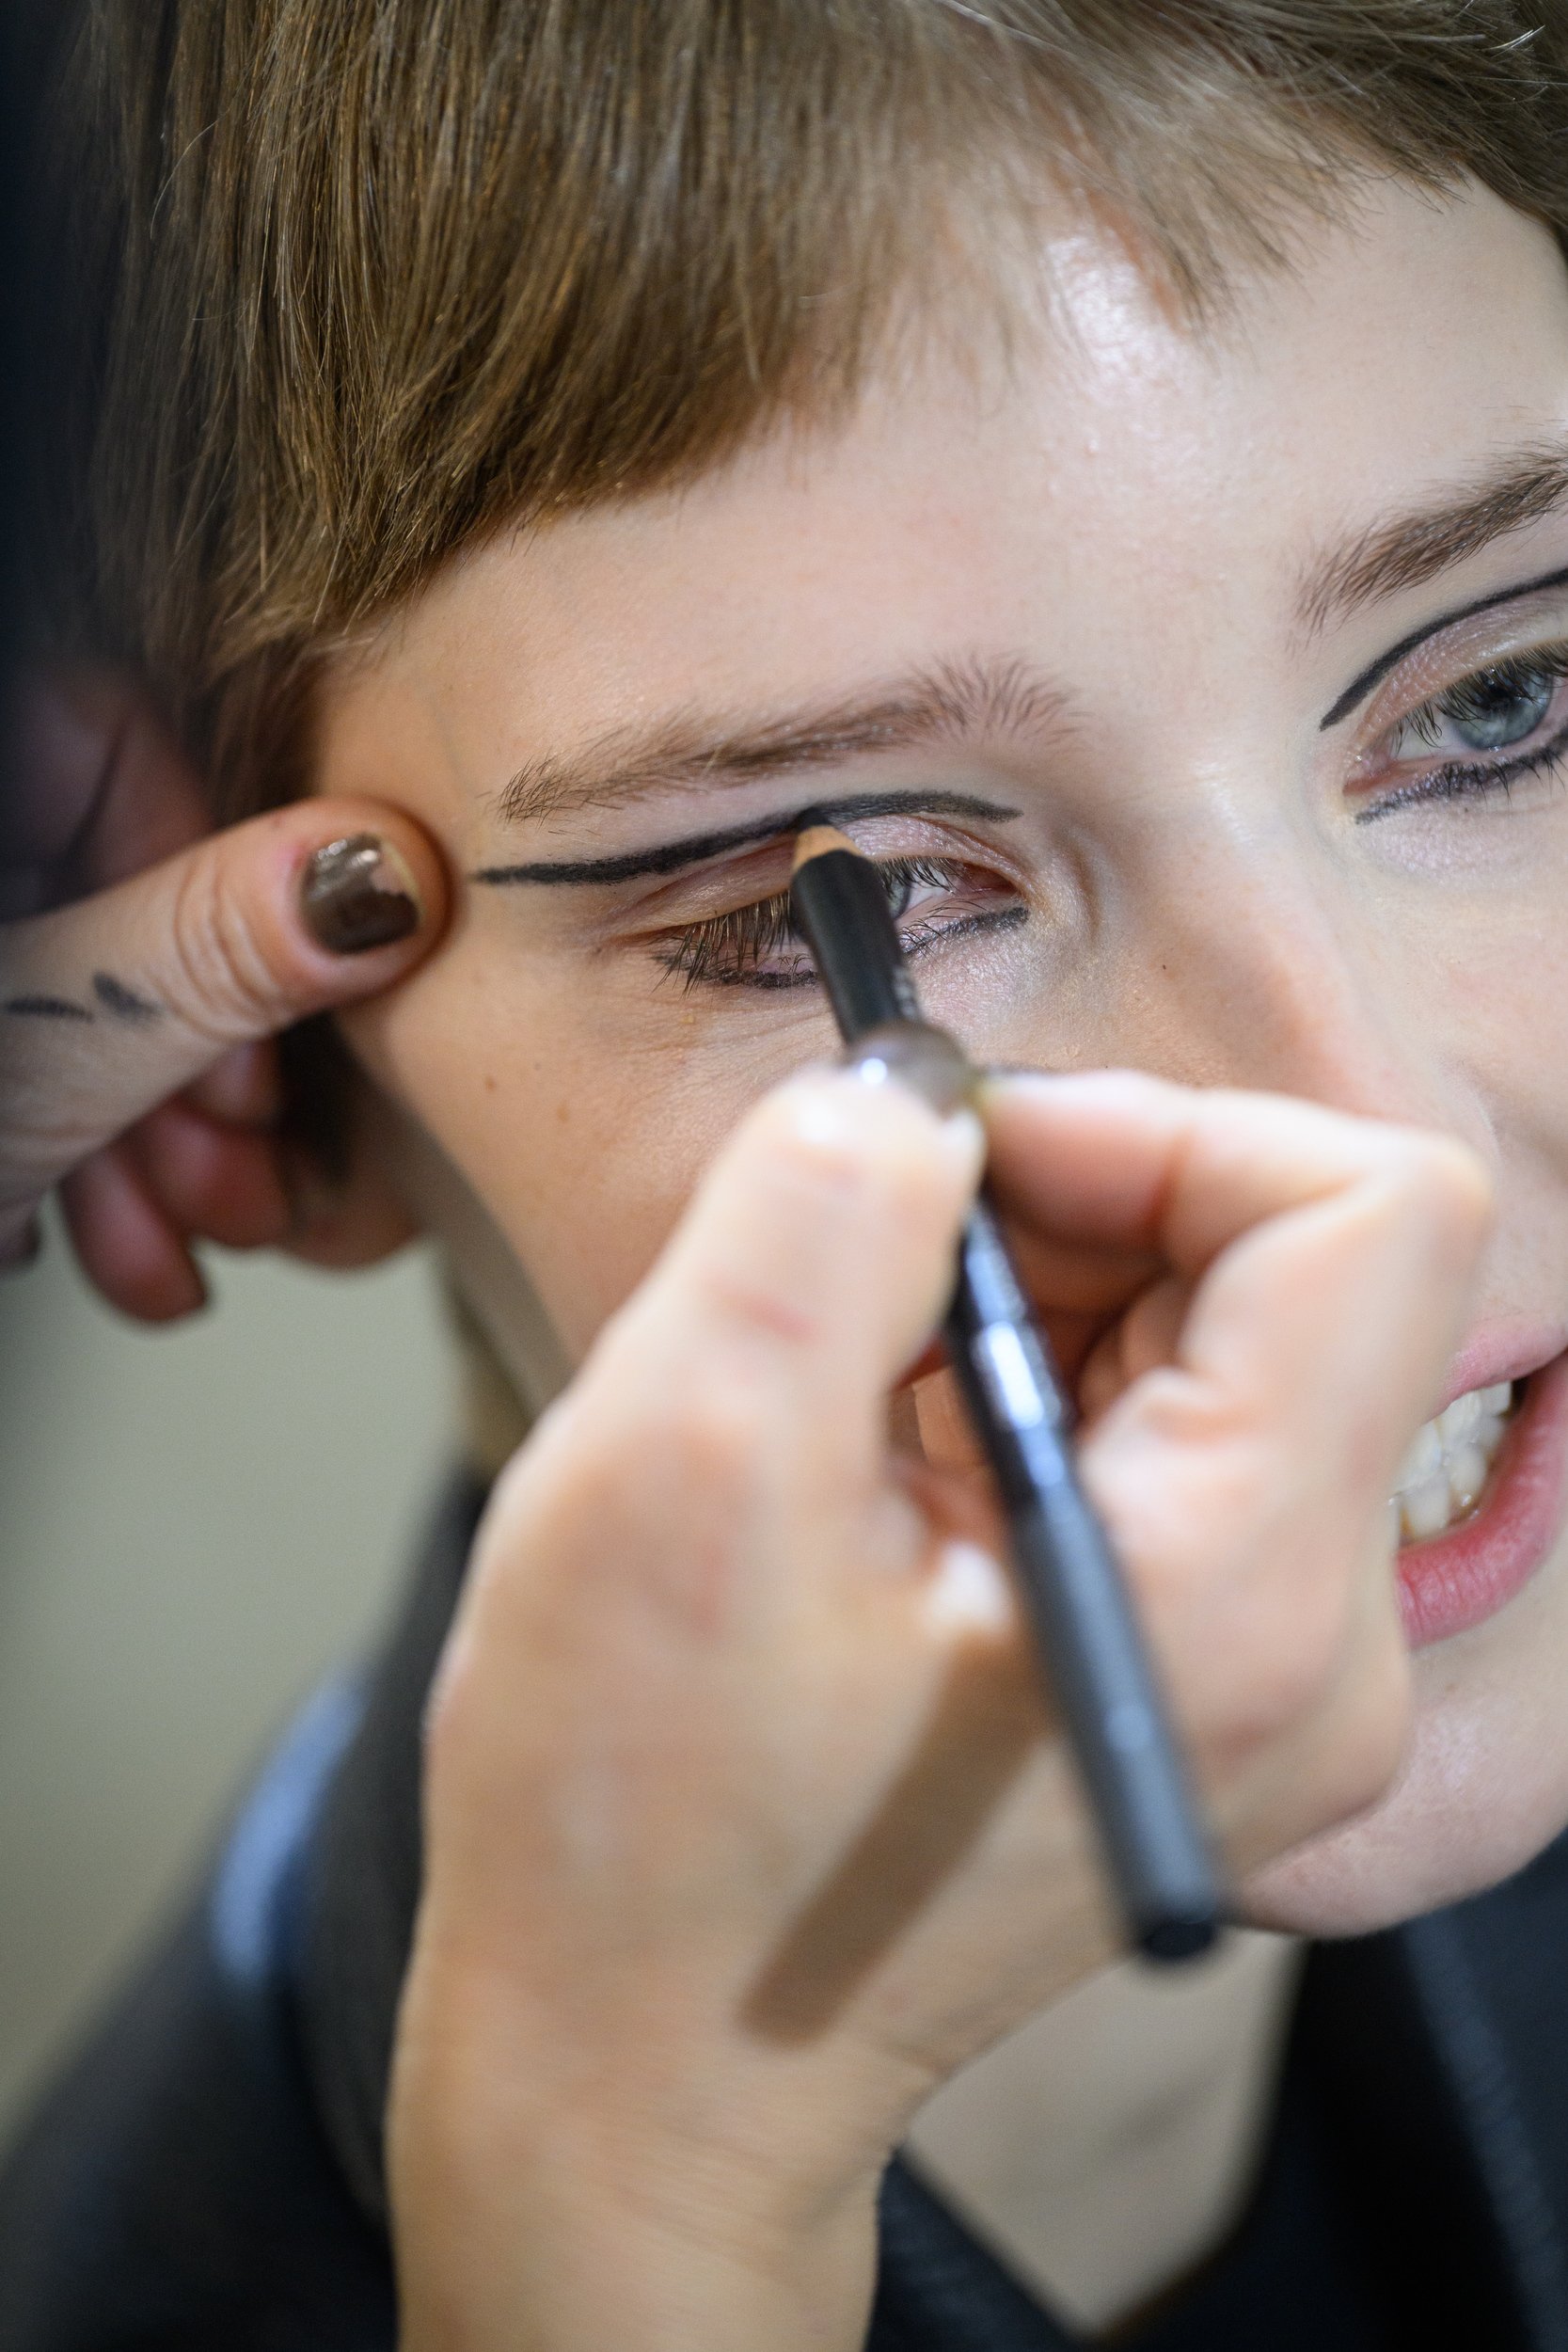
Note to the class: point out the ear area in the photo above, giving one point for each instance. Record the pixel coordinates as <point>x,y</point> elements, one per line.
<point>345,1208</point>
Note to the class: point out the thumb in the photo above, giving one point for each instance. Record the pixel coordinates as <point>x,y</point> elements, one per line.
<point>116,1002</point>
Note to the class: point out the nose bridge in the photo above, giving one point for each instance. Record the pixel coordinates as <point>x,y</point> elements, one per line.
<point>1259,963</point>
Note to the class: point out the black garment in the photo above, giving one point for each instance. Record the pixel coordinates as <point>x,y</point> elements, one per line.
<point>206,2179</point>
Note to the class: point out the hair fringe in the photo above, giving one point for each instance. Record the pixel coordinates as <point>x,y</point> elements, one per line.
<point>330,289</point>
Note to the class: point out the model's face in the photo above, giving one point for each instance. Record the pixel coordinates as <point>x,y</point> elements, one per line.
<point>1105,648</point>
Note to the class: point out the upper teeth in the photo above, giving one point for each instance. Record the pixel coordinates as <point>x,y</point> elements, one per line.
<point>1442,1476</point>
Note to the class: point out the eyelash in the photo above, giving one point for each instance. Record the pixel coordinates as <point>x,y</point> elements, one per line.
<point>726,951</point>
<point>1476,780</point>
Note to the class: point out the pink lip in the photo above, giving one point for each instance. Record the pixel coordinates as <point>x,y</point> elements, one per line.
<point>1454,1581</point>
<point>1509,1351</point>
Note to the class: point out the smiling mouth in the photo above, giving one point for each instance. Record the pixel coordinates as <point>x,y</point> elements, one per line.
<point>1443,1478</point>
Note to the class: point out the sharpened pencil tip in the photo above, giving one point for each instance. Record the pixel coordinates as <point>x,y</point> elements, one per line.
<point>816,840</point>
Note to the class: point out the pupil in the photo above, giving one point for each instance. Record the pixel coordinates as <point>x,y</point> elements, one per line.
<point>1499,707</point>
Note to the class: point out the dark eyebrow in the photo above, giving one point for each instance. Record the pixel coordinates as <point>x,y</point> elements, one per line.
<point>1407,549</point>
<point>1410,549</point>
<point>692,847</point>
<point>956,701</point>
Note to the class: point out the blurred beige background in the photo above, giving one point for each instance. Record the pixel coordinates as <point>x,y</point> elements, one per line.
<point>192,1523</point>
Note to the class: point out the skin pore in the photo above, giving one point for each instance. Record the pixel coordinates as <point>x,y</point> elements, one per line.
<point>1127,654</point>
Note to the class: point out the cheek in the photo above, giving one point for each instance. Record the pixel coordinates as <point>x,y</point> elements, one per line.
<point>582,1143</point>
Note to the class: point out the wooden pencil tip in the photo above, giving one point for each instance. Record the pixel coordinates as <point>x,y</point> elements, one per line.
<point>816,840</point>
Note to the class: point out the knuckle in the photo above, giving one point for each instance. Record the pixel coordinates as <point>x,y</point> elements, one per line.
<point>226,982</point>
<point>654,1451</point>
<point>747,1302</point>
<point>712,1442</point>
<point>653,1512</point>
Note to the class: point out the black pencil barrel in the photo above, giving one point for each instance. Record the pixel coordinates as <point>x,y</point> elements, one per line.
<point>1081,1613</point>
<point>1072,1588</point>
<point>841,908</point>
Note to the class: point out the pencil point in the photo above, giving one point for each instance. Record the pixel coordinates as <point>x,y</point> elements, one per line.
<point>816,840</point>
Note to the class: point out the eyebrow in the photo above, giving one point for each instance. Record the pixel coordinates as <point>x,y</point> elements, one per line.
<point>957,703</point>
<point>1419,544</point>
<point>1408,549</point>
<point>691,848</point>
<point>960,701</point>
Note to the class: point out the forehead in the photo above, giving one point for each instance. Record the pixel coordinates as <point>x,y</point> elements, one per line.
<point>1116,467</point>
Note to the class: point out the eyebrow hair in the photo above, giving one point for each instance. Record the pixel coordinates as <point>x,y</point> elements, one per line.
<point>958,701</point>
<point>670,856</point>
<point>1408,549</point>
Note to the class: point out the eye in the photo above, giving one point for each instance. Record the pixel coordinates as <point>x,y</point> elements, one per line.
<point>1482,713</point>
<point>933,899</point>
<point>1449,747</point>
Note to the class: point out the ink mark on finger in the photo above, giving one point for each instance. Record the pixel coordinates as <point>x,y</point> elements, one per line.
<point>47,1008</point>
<point>122,1001</point>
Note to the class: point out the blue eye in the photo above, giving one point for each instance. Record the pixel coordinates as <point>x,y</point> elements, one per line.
<point>1499,707</point>
<point>899,877</point>
<point>1515,707</point>
<point>1485,712</point>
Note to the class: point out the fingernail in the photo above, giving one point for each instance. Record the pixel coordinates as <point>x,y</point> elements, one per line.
<point>911,1054</point>
<point>357,894</point>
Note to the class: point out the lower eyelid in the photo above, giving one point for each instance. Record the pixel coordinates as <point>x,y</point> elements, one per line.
<point>1464,777</point>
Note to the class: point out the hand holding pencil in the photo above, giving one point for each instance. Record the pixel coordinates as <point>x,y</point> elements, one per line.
<point>745,1811</point>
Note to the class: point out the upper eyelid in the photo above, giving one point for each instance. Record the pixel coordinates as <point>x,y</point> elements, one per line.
<point>1372,677</point>
<point>680,856</point>
<point>780,897</point>
<point>1477,661</point>
<point>669,909</point>
<point>1440,694</point>
<point>675,942</point>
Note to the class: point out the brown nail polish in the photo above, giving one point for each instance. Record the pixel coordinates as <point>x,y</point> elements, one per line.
<point>932,1063</point>
<point>357,894</point>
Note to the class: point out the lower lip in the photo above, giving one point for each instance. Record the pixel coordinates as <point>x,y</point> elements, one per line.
<point>1456,1580</point>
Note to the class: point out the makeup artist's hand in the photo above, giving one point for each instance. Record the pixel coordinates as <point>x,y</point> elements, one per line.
<point>146,964</point>
<point>746,1822</point>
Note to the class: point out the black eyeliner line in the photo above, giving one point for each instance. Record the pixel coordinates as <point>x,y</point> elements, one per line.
<point>673,855</point>
<point>1360,687</point>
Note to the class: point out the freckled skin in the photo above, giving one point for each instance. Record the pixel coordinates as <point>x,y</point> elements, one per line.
<point>1131,513</point>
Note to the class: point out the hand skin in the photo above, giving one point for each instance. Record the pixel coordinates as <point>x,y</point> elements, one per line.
<point>746,1822</point>
<point>162,1122</point>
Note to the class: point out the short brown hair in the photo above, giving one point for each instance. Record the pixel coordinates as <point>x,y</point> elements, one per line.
<point>338,286</point>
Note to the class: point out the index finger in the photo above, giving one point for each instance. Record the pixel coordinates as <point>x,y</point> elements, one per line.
<point>1117,1160</point>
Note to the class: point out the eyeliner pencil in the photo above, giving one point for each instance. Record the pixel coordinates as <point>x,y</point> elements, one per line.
<point>1074,1594</point>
